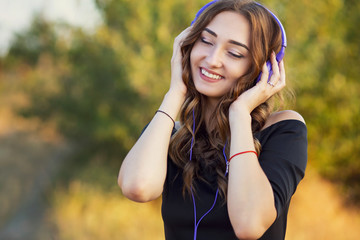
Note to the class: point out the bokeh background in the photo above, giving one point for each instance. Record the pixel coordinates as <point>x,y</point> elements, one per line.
<point>73,100</point>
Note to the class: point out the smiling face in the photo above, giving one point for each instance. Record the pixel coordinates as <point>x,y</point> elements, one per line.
<point>221,55</point>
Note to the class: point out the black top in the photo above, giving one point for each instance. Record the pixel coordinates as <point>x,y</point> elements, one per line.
<point>283,159</point>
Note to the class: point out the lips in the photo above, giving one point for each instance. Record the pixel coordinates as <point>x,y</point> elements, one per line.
<point>209,75</point>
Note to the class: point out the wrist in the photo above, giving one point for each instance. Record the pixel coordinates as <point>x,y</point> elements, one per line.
<point>172,103</point>
<point>239,117</point>
<point>176,96</point>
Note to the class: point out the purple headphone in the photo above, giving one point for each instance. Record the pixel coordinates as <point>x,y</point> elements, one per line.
<point>279,55</point>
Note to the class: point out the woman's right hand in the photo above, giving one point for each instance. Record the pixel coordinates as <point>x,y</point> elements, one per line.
<point>177,84</point>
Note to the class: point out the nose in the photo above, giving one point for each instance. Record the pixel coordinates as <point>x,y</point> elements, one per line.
<point>214,58</point>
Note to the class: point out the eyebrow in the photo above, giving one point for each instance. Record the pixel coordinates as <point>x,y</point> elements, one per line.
<point>230,41</point>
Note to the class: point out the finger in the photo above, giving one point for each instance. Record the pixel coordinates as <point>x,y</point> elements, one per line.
<point>282,80</point>
<point>275,70</point>
<point>179,40</point>
<point>182,35</point>
<point>264,75</point>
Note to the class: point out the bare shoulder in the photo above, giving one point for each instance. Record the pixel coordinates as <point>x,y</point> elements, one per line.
<point>283,115</point>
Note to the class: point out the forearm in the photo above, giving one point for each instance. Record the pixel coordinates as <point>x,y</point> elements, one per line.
<point>143,170</point>
<point>250,197</point>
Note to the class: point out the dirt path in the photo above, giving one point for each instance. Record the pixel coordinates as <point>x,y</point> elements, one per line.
<point>30,156</point>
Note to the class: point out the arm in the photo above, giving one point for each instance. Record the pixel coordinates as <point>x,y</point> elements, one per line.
<point>250,197</point>
<point>143,171</point>
<point>282,168</point>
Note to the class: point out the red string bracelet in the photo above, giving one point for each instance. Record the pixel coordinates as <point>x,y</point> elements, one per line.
<point>236,154</point>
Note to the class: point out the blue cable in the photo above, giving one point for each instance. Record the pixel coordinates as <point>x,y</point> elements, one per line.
<point>196,223</point>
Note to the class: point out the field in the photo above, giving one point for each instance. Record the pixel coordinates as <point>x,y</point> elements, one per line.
<point>36,206</point>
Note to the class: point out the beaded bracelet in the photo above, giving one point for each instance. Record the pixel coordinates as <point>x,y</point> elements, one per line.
<point>166,115</point>
<point>236,154</point>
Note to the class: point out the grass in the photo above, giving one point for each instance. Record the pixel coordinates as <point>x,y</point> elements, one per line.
<point>83,212</point>
<point>318,211</point>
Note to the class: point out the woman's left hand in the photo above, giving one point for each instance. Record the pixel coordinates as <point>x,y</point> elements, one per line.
<point>263,90</point>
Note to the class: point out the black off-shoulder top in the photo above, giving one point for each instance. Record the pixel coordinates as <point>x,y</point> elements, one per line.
<point>283,158</point>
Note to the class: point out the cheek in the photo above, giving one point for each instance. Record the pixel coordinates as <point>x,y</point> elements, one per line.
<point>241,69</point>
<point>231,85</point>
<point>194,55</point>
<point>236,72</point>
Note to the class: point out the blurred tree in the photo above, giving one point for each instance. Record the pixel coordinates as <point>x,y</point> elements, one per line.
<point>91,99</point>
<point>323,56</point>
<point>101,89</point>
<point>38,39</point>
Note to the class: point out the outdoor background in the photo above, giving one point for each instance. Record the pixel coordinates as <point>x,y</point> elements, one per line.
<point>73,101</point>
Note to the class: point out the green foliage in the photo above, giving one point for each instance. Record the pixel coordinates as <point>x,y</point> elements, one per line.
<point>323,54</point>
<point>101,89</point>
<point>91,101</point>
<point>40,38</point>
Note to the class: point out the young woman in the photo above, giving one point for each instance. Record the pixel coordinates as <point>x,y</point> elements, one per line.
<point>228,169</point>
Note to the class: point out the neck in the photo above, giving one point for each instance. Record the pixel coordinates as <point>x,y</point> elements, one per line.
<point>210,105</point>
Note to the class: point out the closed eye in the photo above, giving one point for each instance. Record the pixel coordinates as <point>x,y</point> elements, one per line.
<point>236,55</point>
<point>205,41</point>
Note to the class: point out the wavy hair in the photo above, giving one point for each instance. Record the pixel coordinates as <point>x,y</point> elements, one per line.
<point>208,147</point>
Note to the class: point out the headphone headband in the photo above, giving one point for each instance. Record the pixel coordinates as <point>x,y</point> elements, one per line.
<point>281,53</point>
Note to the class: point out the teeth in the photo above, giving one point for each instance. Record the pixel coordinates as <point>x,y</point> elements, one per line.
<point>213,76</point>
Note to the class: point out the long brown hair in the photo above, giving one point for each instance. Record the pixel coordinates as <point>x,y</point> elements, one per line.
<point>208,147</point>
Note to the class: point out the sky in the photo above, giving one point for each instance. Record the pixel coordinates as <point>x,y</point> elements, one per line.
<point>16,16</point>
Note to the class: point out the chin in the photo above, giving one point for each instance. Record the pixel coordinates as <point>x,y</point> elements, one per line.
<point>210,94</point>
